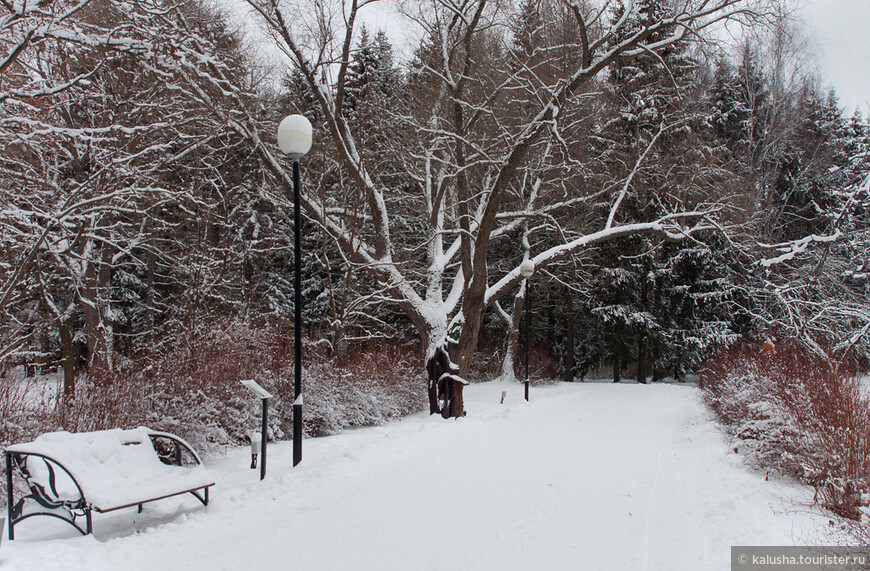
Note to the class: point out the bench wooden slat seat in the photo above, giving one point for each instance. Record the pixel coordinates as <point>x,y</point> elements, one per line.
<point>69,475</point>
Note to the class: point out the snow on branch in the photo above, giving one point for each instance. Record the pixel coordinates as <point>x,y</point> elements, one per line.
<point>791,249</point>
<point>666,227</point>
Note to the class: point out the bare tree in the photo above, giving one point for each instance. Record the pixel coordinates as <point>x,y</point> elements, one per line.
<point>115,182</point>
<point>468,155</point>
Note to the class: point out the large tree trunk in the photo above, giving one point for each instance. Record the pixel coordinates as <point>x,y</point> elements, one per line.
<point>472,309</point>
<point>445,385</point>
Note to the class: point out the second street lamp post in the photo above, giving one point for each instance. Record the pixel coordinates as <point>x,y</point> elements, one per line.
<point>527,268</point>
<point>294,139</point>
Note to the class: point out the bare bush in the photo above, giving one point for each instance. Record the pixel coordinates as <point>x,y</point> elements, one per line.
<point>26,409</point>
<point>23,406</point>
<point>197,394</point>
<point>797,413</point>
<point>363,388</point>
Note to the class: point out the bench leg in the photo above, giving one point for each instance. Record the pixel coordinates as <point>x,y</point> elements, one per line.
<point>202,498</point>
<point>89,524</point>
<point>140,508</point>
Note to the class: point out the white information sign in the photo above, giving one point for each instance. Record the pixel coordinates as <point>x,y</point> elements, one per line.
<point>257,389</point>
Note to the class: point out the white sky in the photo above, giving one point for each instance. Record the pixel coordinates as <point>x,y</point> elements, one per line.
<point>841,30</point>
<point>838,34</point>
<point>838,31</point>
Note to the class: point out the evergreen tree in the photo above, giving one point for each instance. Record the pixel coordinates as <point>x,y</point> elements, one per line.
<point>808,170</point>
<point>659,145</point>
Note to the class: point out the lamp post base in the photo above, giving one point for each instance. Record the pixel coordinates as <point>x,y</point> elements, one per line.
<point>297,434</point>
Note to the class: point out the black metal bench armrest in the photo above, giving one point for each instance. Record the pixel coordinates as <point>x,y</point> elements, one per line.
<point>44,494</point>
<point>41,495</point>
<point>178,445</point>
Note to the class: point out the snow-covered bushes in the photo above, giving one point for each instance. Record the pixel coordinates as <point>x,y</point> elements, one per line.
<point>25,408</point>
<point>195,392</point>
<point>200,397</point>
<point>798,414</point>
<point>363,388</point>
<point>23,405</point>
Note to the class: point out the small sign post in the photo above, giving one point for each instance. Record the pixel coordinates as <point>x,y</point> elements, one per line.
<point>264,396</point>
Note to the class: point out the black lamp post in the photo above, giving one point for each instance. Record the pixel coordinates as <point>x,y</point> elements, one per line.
<point>294,139</point>
<point>527,268</point>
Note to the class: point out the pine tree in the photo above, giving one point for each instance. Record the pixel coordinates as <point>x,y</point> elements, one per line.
<point>659,115</point>
<point>808,167</point>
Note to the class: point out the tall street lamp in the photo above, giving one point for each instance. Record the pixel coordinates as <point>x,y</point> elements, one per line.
<point>294,139</point>
<point>527,268</point>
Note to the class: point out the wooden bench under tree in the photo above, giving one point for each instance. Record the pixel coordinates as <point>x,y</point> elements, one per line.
<point>69,476</point>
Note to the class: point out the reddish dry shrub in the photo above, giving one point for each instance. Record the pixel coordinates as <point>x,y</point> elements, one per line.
<point>196,392</point>
<point>22,406</point>
<point>361,388</point>
<point>488,357</point>
<point>543,364</point>
<point>364,387</point>
<point>803,414</point>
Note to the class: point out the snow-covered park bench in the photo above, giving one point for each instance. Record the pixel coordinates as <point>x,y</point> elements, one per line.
<point>68,475</point>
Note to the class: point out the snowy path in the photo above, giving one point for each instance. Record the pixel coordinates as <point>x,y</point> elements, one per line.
<point>586,476</point>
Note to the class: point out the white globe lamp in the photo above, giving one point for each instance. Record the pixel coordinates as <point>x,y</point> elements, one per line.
<point>294,136</point>
<point>527,268</point>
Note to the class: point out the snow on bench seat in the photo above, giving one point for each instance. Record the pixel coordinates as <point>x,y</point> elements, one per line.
<point>114,468</point>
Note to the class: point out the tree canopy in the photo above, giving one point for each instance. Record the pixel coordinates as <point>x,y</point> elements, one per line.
<point>672,198</point>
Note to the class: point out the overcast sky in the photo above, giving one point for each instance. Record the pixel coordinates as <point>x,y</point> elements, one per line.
<point>841,30</point>
<point>838,32</point>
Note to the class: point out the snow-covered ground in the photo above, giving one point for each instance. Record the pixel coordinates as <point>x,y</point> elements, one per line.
<point>585,476</point>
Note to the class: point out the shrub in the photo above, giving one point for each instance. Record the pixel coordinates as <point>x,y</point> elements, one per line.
<point>797,413</point>
<point>363,388</point>
<point>25,406</point>
<point>197,394</point>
